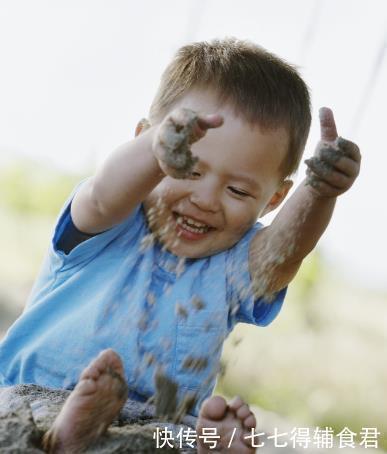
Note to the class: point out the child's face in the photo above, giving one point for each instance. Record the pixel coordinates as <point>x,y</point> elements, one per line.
<point>236,180</point>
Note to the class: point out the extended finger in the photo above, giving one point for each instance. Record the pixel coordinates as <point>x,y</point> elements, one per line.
<point>202,124</point>
<point>210,121</point>
<point>327,125</point>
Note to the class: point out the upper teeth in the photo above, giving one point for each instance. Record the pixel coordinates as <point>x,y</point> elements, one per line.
<point>192,222</point>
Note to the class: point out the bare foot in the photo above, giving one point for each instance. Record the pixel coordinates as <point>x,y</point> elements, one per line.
<point>90,408</point>
<point>237,415</point>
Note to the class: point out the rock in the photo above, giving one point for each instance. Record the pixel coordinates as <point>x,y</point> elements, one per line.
<point>18,432</point>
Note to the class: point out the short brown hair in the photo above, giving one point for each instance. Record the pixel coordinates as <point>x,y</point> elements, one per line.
<point>262,87</point>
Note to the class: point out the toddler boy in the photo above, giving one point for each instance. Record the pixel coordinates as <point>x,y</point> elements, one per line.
<point>156,257</point>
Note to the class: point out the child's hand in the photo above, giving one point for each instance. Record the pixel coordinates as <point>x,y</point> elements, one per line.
<point>336,161</point>
<point>173,138</point>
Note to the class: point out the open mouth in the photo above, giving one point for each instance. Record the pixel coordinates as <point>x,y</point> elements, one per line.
<point>190,228</point>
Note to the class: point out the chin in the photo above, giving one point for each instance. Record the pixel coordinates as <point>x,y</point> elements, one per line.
<point>191,251</point>
<point>188,253</point>
<point>202,252</point>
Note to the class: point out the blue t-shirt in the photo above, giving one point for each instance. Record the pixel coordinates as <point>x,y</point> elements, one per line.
<point>115,290</point>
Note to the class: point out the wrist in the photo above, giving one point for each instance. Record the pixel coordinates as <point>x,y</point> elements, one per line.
<point>148,137</point>
<point>171,149</point>
<point>314,191</point>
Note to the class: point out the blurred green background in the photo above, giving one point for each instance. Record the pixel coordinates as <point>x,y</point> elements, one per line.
<point>321,363</point>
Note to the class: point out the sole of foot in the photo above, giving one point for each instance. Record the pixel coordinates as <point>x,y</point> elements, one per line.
<point>91,407</point>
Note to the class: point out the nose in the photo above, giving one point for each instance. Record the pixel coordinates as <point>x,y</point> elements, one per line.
<point>206,197</point>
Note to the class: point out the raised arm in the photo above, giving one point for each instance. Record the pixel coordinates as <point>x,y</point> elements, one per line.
<point>131,172</point>
<point>277,251</point>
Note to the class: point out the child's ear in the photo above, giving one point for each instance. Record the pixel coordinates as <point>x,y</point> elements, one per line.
<point>142,126</point>
<point>278,196</point>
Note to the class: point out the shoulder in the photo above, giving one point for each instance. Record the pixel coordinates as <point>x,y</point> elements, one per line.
<point>88,247</point>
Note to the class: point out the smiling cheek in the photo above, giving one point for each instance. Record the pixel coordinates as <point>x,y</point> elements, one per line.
<point>241,220</point>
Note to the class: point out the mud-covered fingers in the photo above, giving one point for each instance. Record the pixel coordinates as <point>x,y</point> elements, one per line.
<point>320,186</point>
<point>327,173</point>
<point>340,162</point>
<point>180,117</point>
<point>345,158</point>
<point>177,127</point>
<point>350,149</point>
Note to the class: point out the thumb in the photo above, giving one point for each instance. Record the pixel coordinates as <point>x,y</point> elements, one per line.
<point>327,125</point>
<point>210,121</point>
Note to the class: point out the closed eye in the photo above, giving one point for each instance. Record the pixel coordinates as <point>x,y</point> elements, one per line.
<point>195,174</point>
<point>238,192</point>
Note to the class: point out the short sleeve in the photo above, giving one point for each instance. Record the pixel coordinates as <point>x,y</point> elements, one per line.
<point>244,307</point>
<point>71,236</point>
<point>90,247</point>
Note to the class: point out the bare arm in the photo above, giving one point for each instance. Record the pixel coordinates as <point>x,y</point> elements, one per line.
<point>277,251</point>
<point>132,171</point>
<point>123,181</point>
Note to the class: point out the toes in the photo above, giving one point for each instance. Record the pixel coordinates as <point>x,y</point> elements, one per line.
<point>86,386</point>
<point>236,403</point>
<point>113,360</point>
<point>108,359</point>
<point>91,371</point>
<point>243,412</point>
<point>250,422</point>
<point>214,408</point>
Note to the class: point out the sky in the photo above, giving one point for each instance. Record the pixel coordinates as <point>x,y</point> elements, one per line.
<point>76,76</point>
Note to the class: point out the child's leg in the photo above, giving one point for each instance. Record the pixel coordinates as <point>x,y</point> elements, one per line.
<point>232,423</point>
<point>91,407</point>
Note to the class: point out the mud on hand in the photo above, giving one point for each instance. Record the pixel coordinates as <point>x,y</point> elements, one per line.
<point>336,162</point>
<point>176,133</point>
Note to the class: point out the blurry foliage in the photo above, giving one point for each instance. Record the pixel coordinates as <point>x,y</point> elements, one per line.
<point>32,188</point>
<point>320,363</point>
<point>305,288</point>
